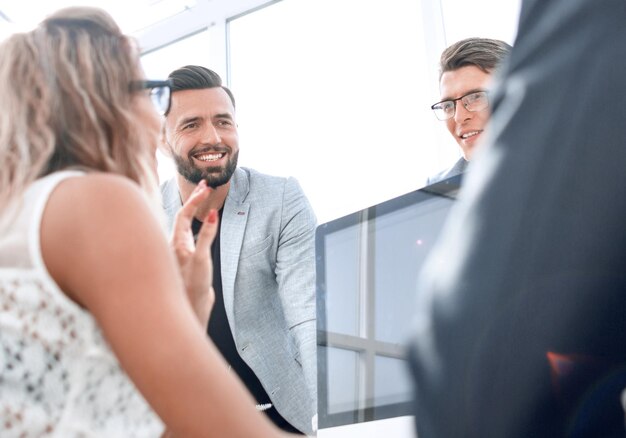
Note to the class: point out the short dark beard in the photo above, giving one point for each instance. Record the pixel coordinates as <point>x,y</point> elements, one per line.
<point>214,176</point>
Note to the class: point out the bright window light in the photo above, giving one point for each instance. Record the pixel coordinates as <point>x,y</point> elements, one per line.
<point>464,19</point>
<point>337,93</point>
<point>131,16</point>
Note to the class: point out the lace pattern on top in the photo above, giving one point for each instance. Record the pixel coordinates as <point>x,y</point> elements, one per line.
<point>58,376</point>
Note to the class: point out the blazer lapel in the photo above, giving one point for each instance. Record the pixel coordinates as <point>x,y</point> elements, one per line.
<point>234,220</point>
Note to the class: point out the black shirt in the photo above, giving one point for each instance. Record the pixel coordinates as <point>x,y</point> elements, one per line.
<point>219,331</point>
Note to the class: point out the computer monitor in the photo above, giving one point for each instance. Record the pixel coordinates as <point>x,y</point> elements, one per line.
<point>367,268</point>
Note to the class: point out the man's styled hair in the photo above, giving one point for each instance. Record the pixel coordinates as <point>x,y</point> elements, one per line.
<point>196,77</point>
<point>484,53</point>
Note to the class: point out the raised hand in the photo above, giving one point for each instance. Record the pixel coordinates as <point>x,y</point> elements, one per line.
<point>194,258</point>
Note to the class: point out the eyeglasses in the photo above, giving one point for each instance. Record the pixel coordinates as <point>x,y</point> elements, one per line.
<point>160,93</point>
<point>474,101</point>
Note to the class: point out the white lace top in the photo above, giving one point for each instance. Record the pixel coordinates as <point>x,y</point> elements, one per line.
<point>58,376</point>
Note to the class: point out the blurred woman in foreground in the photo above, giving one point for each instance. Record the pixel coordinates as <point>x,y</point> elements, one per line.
<point>101,323</point>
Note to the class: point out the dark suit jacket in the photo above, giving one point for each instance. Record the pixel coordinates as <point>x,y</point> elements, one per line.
<point>521,325</point>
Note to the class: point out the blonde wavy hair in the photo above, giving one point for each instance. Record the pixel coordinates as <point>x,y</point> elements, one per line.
<point>66,102</point>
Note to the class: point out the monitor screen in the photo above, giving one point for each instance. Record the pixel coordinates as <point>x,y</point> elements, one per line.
<point>367,268</point>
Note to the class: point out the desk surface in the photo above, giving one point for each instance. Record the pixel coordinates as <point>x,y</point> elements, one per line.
<point>398,427</point>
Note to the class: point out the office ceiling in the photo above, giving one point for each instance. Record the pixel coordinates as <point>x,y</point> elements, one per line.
<point>132,15</point>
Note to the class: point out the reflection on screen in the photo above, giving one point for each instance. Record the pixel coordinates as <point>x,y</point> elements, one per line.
<point>367,268</point>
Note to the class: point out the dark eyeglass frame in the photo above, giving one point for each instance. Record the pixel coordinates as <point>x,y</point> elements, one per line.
<point>156,89</point>
<point>465,104</point>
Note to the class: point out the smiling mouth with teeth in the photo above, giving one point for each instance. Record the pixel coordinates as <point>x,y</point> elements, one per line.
<point>205,156</point>
<point>470,134</point>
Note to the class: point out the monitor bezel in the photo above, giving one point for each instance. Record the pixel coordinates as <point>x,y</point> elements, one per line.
<point>447,188</point>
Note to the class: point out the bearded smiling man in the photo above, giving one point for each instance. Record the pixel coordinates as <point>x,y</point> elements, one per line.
<point>263,321</point>
<point>215,176</point>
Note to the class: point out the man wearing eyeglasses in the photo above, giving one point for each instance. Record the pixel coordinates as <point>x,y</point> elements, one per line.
<point>263,320</point>
<point>466,69</point>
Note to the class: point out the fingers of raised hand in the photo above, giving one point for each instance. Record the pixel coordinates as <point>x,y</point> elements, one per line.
<point>199,194</point>
<point>207,235</point>
<point>182,222</point>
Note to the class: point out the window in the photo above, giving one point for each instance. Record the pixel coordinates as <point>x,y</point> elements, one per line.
<point>334,92</point>
<point>463,19</point>
<point>337,93</point>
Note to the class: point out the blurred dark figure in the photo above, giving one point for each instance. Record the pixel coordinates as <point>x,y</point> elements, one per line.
<point>521,326</point>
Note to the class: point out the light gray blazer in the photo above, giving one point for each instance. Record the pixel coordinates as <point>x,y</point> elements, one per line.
<point>267,249</point>
<point>459,167</point>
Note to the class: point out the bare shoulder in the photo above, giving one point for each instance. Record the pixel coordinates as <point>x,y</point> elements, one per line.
<point>97,190</point>
<point>91,225</point>
<point>96,202</point>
